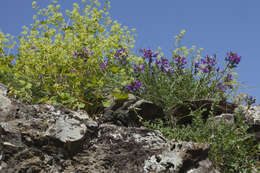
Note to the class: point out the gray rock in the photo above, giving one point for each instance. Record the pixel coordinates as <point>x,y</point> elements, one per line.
<point>180,157</point>
<point>252,116</point>
<point>5,107</point>
<point>3,90</point>
<point>69,131</point>
<point>227,118</point>
<point>129,112</point>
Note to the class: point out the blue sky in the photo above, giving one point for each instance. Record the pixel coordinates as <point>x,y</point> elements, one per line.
<point>217,26</point>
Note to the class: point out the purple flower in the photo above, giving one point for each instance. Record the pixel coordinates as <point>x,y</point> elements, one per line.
<point>103,65</point>
<point>228,77</point>
<point>180,61</point>
<point>221,87</point>
<point>197,65</point>
<point>134,86</point>
<point>164,66</point>
<point>85,50</point>
<point>250,100</point>
<point>148,54</point>
<point>209,63</point>
<point>138,68</point>
<point>233,59</point>
<point>205,69</point>
<point>184,61</point>
<point>75,54</point>
<point>121,53</point>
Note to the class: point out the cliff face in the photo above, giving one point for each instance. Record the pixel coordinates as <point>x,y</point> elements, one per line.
<point>45,138</point>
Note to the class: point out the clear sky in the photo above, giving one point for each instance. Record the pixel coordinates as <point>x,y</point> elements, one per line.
<point>217,26</point>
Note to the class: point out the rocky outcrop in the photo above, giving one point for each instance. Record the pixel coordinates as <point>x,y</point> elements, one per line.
<point>44,138</point>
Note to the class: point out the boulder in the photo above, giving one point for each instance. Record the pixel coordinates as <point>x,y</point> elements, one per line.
<point>129,112</point>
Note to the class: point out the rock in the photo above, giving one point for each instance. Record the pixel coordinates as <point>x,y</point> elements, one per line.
<point>129,113</point>
<point>180,157</point>
<point>180,111</point>
<point>252,116</point>
<point>69,131</point>
<point>3,90</point>
<point>227,118</point>
<point>5,107</point>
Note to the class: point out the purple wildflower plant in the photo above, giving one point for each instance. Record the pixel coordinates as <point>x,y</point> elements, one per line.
<point>148,54</point>
<point>221,87</point>
<point>164,65</point>
<point>233,59</point>
<point>134,86</point>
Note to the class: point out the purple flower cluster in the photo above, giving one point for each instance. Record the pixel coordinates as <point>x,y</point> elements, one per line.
<point>208,64</point>
<point>138,68</point>
<point>121,54</point>
<point>250,100</point>
<point>134,86</point>
<point>180,61</point>
<point>233,59</point>
<point>164,66</point>
<point>148,54</point>
<point>83,53</point>
<point>228,78</point>
<point>221,87</point>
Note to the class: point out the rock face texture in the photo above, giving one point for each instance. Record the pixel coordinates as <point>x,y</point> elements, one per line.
<point>252,116</point>
<point>53,139</point>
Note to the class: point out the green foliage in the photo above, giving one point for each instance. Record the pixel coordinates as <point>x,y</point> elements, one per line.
<point>59,57</point>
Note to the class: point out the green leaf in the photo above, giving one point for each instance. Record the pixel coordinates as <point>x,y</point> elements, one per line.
<point>28,86</point>
<point>107,103</point>
<point>120,96</point>
<point>114,69</point>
